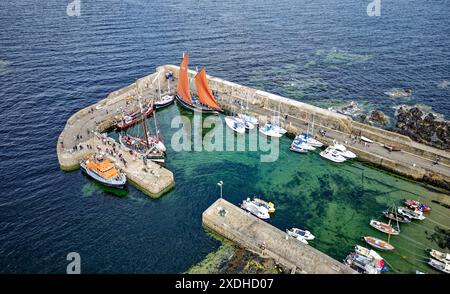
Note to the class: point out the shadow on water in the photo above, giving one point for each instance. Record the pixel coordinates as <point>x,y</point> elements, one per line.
<point>93,187</point>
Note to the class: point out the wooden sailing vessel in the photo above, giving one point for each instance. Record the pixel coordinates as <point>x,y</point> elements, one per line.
<point>205,101</point>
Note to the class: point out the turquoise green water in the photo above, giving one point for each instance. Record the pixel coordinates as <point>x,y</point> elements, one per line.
<point>334,201</point>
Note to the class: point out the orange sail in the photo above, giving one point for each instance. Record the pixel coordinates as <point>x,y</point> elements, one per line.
<point>204,92</point>
<point>183,89</point>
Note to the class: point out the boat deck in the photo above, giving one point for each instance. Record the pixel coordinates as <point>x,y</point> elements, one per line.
<point>250,232</point>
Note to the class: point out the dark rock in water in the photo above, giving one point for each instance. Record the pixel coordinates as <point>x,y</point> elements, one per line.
<point>423,128</point>
<point>379,117</point>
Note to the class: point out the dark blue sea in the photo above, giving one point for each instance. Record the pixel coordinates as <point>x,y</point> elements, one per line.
<point>322,52</point>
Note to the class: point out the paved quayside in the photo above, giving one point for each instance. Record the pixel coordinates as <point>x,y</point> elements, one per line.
<point>250,232</point>
<point>85,126</point>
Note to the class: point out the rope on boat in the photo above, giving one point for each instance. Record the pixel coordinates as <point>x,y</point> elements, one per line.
<point>422,246</point>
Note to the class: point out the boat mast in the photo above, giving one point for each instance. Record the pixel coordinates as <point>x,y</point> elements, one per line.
<point>159,85</point>
<point>143,122</point>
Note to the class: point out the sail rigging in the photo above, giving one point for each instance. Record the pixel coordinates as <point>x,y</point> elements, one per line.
<point>205,95</point>
<point>183,89</point>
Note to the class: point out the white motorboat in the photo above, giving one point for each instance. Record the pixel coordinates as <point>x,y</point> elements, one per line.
<point>305,234</point>
<point>333,155</point>
<point>441,256</point>
<point>303,144</point>
<point>414,214</point>
<point>246,124</point>
<point>249,118</point>
<point>309,139</point>
<point>440,266</point>
<point>298,149</point>
<point>260,212</point>
<point>268,130</point>
<point>234,124</point>
<point>164,101</point>
<point>343,150</point>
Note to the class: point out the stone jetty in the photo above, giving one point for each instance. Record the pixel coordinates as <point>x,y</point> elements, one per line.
<point>251,233</point>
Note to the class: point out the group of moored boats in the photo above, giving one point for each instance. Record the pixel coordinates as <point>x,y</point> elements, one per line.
<point>412,210</point>
<point>263,209</point>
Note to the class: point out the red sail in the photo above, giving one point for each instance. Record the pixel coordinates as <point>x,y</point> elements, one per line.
<point>183,89</point>
<point>204,92</point>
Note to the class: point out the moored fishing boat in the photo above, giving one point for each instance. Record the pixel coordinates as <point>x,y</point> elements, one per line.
<point>361,263</point>
<point>269,205</point>
<point>103,171</point>
<point>332,155</point>
<point>384,227</point>
<point>343,151</point>
<point>440,266</point>
<point>414,214</point>
<point>396,217</point>
<point>127,120</point>
<point>151,148</point>
<point>295,232</point>
<point>416,205</point>
<point>205,101</point>
<point>258,211</point>
<point>378,243</point>
<point>441,256</point>
<point>300,235</point>
<point>234,124</point>
<point>298,148</point>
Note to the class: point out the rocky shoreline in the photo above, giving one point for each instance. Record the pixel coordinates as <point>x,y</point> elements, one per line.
<point>423,128</point>
<point>232,259</point>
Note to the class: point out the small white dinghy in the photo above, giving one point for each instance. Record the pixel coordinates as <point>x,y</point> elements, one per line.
<point>268,130</point>
<point>440,266</point>
<point>235,125</point>
<point>441,256</point>
<point>343,150</point>
<point>260,212</point>
<point>333,155</point>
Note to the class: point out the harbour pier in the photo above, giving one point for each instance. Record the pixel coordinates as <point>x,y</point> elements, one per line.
<point>251,233</point>
<point>82,135</point>
<point>415,160</point>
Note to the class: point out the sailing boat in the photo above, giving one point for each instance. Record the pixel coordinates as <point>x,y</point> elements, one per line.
<point>126,120</point>
<point>205,102</point>
<point>308,137</point>
<point>151,147</point>
<point>385,228</point>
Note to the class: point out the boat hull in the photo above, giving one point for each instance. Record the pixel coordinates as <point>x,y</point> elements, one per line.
<point>196,108</point>
<point>378,244</point>
<point>159,105</point>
